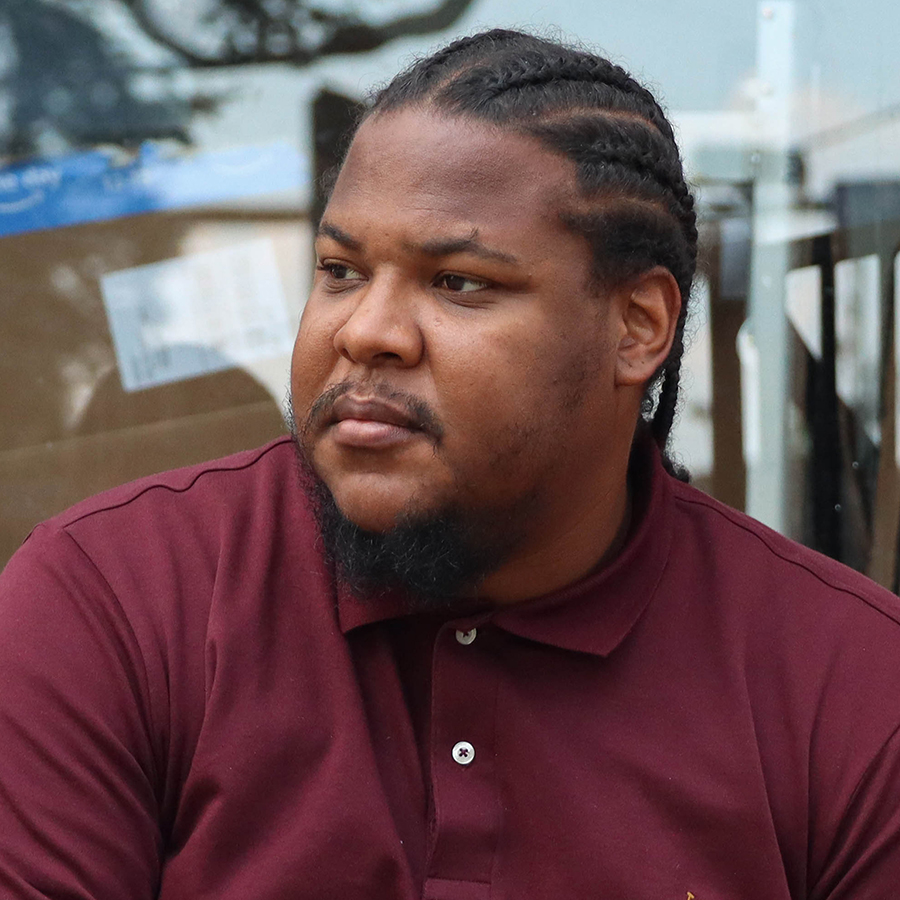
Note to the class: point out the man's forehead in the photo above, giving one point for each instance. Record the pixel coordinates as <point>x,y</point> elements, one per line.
<point>453,162</point>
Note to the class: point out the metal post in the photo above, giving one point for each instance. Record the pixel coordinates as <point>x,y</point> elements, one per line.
<point>766,388</point>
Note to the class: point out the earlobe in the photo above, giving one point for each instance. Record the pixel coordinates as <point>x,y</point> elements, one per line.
<point>650,305</point>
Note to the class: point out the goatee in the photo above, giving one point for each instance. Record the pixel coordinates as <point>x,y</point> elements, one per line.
<point>436,559</point>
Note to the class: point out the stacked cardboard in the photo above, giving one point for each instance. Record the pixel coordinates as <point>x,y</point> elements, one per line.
<point>68,425</point>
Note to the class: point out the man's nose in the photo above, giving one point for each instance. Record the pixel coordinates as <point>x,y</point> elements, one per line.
<point>382,328</point>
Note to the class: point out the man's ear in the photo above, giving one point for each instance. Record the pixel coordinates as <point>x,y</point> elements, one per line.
<point>650,304</point>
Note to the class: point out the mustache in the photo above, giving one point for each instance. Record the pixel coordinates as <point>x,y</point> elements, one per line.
<point>421,416</point>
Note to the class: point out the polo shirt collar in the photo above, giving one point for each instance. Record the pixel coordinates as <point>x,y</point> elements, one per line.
<point>592,615</point>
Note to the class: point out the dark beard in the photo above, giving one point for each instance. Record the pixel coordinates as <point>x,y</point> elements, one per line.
<point>435,559</point>
<point>432,559</point>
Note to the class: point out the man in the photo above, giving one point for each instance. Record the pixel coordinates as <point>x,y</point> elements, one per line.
<point>511,656</point>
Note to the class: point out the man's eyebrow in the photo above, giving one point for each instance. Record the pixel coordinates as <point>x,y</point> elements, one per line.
<point>468,244</point>
<point>335,233</point>
<point>437,247</point>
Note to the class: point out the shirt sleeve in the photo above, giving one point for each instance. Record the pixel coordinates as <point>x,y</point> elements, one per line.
<point>865,859</point>
<point>78,781</point>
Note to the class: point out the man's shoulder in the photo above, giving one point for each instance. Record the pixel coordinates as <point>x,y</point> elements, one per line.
<point>173,542</point>
<point>187,525</point>
<point>224,482</point>
<point>743,551</point>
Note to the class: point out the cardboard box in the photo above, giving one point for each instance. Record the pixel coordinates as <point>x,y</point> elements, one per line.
<point>69,426</point>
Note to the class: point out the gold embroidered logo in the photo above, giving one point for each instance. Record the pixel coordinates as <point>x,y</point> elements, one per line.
<point>690,896</point>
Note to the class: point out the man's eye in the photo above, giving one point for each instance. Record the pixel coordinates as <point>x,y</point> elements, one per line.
<point>340,272</point>
<point>460,284</point>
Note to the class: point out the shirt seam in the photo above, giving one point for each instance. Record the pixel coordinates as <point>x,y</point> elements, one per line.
<point>206,470</point>
<point>800,564</point>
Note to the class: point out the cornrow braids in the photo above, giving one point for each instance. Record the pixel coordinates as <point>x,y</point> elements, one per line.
<point>632,202</point>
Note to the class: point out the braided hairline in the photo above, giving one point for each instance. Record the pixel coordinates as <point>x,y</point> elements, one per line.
<point>663,167</point>
<point>660,163</point>
<point>611,147</point>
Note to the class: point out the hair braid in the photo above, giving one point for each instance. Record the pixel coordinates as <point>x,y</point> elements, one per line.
<point>635,207</point>
<point>426,71</point>
<point>530,70</point>
<point>602,139</point>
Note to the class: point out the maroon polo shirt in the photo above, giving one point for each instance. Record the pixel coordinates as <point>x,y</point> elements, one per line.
<point>189,709</point>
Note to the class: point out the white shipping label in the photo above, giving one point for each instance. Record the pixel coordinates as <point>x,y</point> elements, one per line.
<point>197,314</point>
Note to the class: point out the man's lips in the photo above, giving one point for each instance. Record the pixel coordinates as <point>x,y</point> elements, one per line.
<point>371,423</point>
<point>370,416</point>
<point>371,409</point>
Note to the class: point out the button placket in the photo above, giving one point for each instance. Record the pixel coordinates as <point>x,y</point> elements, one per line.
<point>463,772</point>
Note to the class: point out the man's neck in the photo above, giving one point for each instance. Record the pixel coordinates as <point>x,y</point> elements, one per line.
<point>590,540</point>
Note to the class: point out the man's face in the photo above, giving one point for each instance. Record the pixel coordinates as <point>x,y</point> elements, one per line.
<point>453,355</point>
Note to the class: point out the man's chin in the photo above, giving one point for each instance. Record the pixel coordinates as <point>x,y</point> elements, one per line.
<point>375,511</point>
<point>434,558</point>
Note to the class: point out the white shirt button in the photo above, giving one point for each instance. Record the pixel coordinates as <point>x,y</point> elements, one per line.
<point>466,637</point>
<point>463,753</point>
